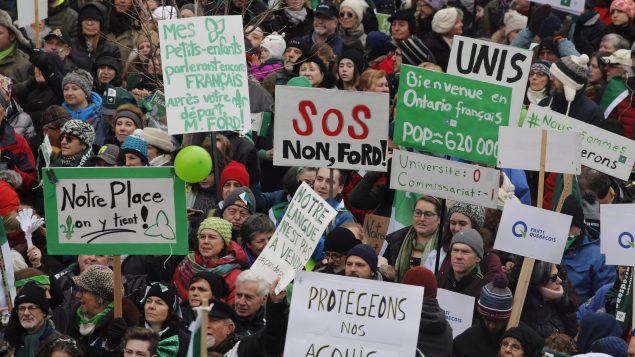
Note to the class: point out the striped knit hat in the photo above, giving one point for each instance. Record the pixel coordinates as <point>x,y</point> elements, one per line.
<point>496,299</point>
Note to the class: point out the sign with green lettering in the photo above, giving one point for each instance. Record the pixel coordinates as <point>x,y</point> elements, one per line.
<point>205,74</point>
<point>115,210</point>
<point>450,115</point>
<point>383,23</point>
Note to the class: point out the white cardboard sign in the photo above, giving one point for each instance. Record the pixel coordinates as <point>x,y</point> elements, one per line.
<point>492,63</point>
<point>320,127</point>
<point>205,74</point>
<point>575,7</point>
<point>26,11</point>
<point>618,233</point>
<point>459,309</point>
<point>442,178</point>
<point>533,232</point>
<point>600,149</point>
<point>519,148</point>
<point>344,316</point>
<point>295,238</point>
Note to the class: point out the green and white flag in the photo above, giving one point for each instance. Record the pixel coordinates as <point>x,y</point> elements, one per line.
<point>402,206</point>
<point>194,348</point>
<point>6,268</point>
<point>613,95</point>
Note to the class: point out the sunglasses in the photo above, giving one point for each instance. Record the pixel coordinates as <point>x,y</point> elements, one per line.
<point>346,14</point>
<point>69,138</point>
<point>553,278</point>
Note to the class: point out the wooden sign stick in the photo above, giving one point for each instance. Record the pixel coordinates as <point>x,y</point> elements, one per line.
<point>118,286</point>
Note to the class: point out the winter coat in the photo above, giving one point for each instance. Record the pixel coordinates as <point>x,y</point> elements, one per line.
<point>279,77</point>
<point>628,32</point>
<point>435,332</point>
<point>470,284</point>
<point>20,120</point>
<point>586,267</point>
<point>589,31</point>
<point>581,108</point>
<point>63,17</point>
<point>80,55</point>
<point>395,240</point>
<point>596,303</point>
<point>624,112</point>
<point>26,177</point>
<point>437,45</point>
<point>477,341</point>
<point>89,114</point>
<point>334,40</point>
<point>183,336</point>
<point>372,193</point>
<point>122,31</point>
<point>263,70</point>
<point>547,317</point>
<point>291,30</point>
<point>17,66</point>
<point>246,326</point>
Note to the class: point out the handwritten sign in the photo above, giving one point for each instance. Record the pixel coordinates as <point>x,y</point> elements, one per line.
<point>459,310</point>
<point>519,148</point>
<point>618,233</point>
<point>575,7</point>
<point>204,74</point>
<point>26,11</point>
<point>295,238</point>
<point>533,232</point>
<point>601,150</point>
<point>315,127</point>
<point>450,115</point>
<point>115,211</point>
<point>375,228</point>
<point>437,177</point>
<point>343,316</point>
<point>493,63</point>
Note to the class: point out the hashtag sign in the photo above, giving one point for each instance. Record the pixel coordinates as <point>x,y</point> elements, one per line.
<point>533,121</point>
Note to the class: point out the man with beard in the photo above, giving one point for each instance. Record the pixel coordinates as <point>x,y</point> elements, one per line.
<point>325,28</point>
<point>295,49</point>
<point>361,262</point>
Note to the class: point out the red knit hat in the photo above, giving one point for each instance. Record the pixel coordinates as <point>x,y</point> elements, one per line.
<point>421,276</point>
<point>234,170</point>
<point>10,200</point>
<point>625,6</point>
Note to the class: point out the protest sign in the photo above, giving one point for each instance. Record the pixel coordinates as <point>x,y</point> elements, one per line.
<point>7,279</point>
<point>493,63</point>
<point>318,127</point>
<point>26,11</point>
<point>154,104</point>
<point>601,150</point>
<point>575,7</point>
<point>618,233</point>
<point>533,232</point>
<point>132,210</point>
<point>375,228</point>
<point>459,310</point>
<point>383,23</point>
<point>517,150</point>
<point>204,74</point>
<point>450,115</point>
<point>343,316</point>
<point>437,177</point>
<point>295,238</point>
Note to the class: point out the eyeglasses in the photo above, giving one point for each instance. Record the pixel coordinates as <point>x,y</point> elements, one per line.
<point>345,14</point>
<point>427,214</point>
<point>333,255</point>
<point>68,138</point>
<point>22,309</point>
<point>513,346</point>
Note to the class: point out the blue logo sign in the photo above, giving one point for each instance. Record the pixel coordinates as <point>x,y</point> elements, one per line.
<point>519,229</point>
<point>626,240</point>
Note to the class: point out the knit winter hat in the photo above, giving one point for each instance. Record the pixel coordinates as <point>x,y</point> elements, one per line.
<point>514,21</point>
<point>81,130</point>
<point>98,280</point>
<point>219,287</point>
<point>275,44</point>
<point>358,6</point>
<point>109,60</point>
<point>613,346</point>
<point>165,13</point>
<point>377,44</point>
<point>475,213</point>
<point>421,276</point>
<point>445,19</point>
<point>137,145</point>
<point>571,71</point>
<point>414,52</point>
<point>356,57</point>
<point>594,326</point>
<point>158,138</point>
<point>541,67</point>
<point>297,42</point>
<point>529,339</point>
<point>130,115</point>
<point>625,6</point>
<point>367,253</point>
<point>31,293</point>
<point>573,209</point>
<point>496,299</point>
<point>55,116</point>
<point>223,227</point>
<point>165,292</point>
<point>234,170</point>
<point>340,240</point>
<point>90,11</point>
<point>81,78</point>
<point>470,237</point>
<point>243,194</point>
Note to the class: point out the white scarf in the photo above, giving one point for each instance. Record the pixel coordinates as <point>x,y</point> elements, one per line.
<point>551,295</point>
<point>536,96</point>
<point>296,17</point>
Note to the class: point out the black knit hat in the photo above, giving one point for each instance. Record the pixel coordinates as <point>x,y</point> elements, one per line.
<point>107,59</point>
<point>531,342</point>
<point>367,253</point>
<point>340,240</point>
<point>414,52</point>
<point>355,56</point>
<point>33,294</point>
<point>573,208</point>
<point>219,287</point>
<point>165,292</point>
<point>296,42</point>
<point>90,11</point>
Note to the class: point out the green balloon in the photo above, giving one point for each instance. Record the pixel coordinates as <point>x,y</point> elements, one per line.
<point>193,164</point>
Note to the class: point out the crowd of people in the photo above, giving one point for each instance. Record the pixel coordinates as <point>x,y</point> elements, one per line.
<point>93,91</point>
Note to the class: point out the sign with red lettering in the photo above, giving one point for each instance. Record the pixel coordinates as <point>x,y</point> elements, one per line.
<point>338,129</point>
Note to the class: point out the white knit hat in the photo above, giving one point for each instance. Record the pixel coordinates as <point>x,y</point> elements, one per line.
<point>572,72</point>
<point>275,44</point>
<point>445,19</point>
<point>359,6</point>
<point>514,21</point>
<point>165,13</point>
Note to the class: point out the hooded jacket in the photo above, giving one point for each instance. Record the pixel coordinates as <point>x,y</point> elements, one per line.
<point>435,332</point>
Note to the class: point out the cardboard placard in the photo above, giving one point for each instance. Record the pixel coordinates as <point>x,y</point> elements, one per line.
<point>437,177</point>
<point>600,149</point>
<point>315,127</point>
<point>295,238</point>
<point>450,115</point>
<point>575,7</point>
<point>115,210</point>
<point>533,232</point>
<point>618,233</point>
<point>459,310</point>
<point>375,228</point>
<point>344,316</point>
<point>205,74</point>
<point>519,148</point>
<point>26,11</point>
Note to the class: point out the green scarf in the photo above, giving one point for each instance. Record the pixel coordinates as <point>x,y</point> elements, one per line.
<point>402,263</point>
<point>168,347</point>
<point>83,320</point>
<point>38,279</point>
<point>6,52</point>
<point>570,241</point>
<point>32,341</point>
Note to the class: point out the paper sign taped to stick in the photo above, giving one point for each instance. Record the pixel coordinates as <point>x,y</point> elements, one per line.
<point>205,74</point>
<point>437,177</point>
<point>450,115</point>
<point>375,228</point>
<point>459,310</point>
<point>575,7</point>
<point>493,63</point>
<point>318,127</point>
<point>295,238</point>
<point>533,232</point>
<point>601,150</point>
<point>115,211</point>
<point>618,233</point>
<point>344,316</point>
<point>26,11</point>
<point>519,148</point>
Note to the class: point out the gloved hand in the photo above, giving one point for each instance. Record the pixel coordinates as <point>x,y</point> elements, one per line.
<point>115,332</point>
